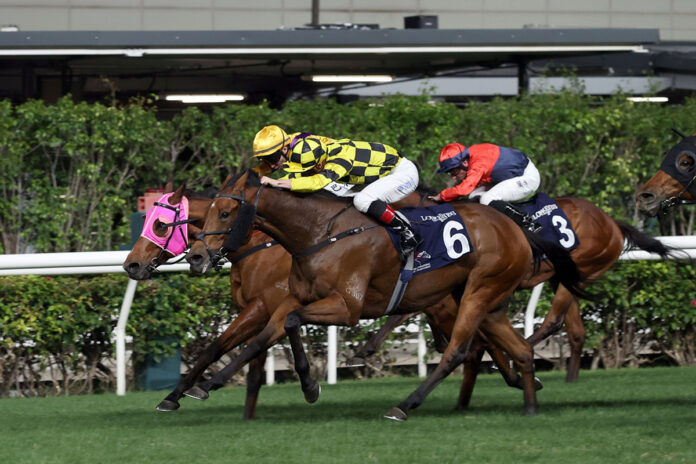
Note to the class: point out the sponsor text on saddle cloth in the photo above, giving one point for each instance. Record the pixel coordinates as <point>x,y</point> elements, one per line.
<point>444,235</point>
<point>556,227</point>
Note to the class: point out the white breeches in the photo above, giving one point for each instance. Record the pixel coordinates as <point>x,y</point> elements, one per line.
<point>391,188</point>
<point>514,189</point>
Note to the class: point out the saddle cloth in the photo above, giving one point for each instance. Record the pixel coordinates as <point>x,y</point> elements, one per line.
<point>555,223</point>
<point>444,235</point>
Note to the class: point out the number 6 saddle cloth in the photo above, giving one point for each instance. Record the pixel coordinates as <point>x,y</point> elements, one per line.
<point>555,223</point>
<point>444,235</point>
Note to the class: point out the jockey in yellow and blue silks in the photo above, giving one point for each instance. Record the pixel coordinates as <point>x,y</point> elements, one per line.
<point>314,163</point>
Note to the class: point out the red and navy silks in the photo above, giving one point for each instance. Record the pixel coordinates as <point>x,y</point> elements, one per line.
<point>555,223</point>
<point>444,235</point>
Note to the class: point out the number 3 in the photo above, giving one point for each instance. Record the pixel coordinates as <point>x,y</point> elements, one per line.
<point>451,238</point>
<point>562,226</point>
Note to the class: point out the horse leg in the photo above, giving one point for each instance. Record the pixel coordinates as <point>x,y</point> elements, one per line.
<point>254,382</point>
<point>321,312</point>
<point>376,340</point>
<point>248,323</point>
<point>554,319</point>
<point>472,310</point>
<point>268,337</point>
<point>472,363</point>
<point>500,332</point>
<point>576,339</point>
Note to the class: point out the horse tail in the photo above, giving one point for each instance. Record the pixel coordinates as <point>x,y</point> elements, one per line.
<point>636,239</point>
<point>566,271</point>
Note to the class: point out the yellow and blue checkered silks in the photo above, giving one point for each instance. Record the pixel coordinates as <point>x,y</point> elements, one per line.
<point>306,154</point>
<point>269,140</point>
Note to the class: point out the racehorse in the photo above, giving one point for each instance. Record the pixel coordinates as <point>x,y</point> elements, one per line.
<point>339,284</point>
<point>258,284</point>
<point>674,183</point>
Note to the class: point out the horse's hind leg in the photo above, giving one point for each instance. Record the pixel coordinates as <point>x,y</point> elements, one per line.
<point>576,339</point>
<point>554,319</point>
<point>249,322</point>
<point>373,343</point>
<point>331,310</point>
<point>254,383</point>
<point>500,332</point>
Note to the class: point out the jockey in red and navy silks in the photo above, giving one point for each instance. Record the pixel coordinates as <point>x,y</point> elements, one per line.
<point>492,174</point>
<point>489,172</point>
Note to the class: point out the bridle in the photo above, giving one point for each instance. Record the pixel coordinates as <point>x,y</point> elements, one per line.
<point>678,198</point>
<point>217,259</point>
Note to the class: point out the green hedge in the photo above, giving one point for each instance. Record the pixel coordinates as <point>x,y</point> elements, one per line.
<point>70,175</point>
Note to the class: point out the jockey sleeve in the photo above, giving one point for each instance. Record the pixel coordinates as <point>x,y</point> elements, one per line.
<point>482,158</point>
<point>350,162</point>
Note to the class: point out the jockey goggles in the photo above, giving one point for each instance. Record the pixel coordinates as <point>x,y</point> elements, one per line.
<point>175,240</point>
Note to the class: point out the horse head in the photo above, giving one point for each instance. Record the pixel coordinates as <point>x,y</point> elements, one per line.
<point>674,183</point>
<point>166,232</point>
<point>228,222</point>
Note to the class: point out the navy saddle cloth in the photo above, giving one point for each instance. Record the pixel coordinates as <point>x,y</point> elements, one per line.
<point>444,235</point>
<point>555,223</point>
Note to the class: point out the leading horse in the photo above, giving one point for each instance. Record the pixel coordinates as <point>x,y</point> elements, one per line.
<point>353,279</point>
<point>674,183</point>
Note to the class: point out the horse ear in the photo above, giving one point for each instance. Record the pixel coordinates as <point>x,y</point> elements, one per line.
<point>169,187</point>
<point>175,199</point>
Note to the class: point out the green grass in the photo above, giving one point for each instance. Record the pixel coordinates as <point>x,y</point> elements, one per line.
<point>619,416</point>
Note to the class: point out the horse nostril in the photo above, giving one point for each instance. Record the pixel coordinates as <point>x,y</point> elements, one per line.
<point>131,267</point>
<point>195,259</point>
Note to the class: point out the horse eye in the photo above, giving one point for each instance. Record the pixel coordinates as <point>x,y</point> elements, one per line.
<point>160,225</point>
<point>224,215</point>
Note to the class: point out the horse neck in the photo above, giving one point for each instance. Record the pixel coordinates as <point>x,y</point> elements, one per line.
<point>296,222</point>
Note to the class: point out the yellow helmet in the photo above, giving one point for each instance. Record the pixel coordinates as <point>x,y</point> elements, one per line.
<point>306,154</point>
<point>269,140</point>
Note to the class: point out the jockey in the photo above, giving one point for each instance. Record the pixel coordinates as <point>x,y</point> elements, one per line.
<point>271,147</point>
<point>492,174</point>
<point>313,164</point>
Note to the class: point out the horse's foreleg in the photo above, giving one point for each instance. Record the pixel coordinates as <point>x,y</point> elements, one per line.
<point>376,340</point>
<point>498,329</point>
<point>554,319</point>
<point>330,311</point>
<point>249,322</point>
<point>576,339</point>
<point>254,383</point>
<point>270,334</point>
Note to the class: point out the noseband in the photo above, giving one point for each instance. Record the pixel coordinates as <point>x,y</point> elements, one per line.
<point>217,259</point>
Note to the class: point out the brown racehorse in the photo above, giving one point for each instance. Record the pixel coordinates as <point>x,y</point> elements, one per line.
<point>258,285</point>
<point>353,279</point>
<point>601,241</point>
<point>674,183</point>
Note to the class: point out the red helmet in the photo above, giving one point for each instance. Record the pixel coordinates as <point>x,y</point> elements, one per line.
<point>452,156</point>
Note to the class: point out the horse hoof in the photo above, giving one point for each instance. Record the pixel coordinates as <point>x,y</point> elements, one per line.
<point>197,393</point>
<point>537,384</point>
<point>355,362</point>
<point>312,393</point>
<point>396,414</point>
<point>530,411</point>
<point>167,406</point>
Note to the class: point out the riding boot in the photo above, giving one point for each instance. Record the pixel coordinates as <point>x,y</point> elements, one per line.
<point>408,238</point>
<point>517,214</point>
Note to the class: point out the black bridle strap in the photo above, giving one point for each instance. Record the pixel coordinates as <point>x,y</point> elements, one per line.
<point>333,239</point>
<point>252,250</point>
<point>677,199</point>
